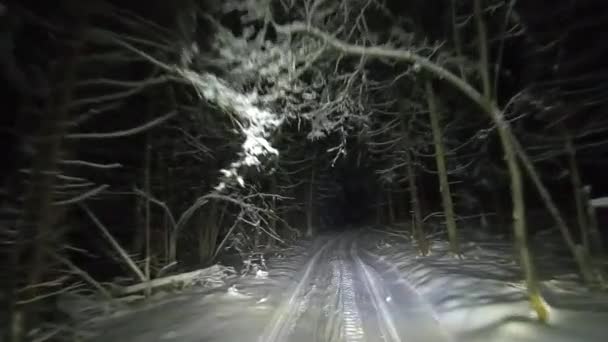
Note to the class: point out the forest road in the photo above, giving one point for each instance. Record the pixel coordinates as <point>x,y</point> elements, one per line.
<point>347,294</point>
<point>341,292</point>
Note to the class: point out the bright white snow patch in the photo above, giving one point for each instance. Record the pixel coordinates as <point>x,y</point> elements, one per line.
<point>233,290</point>
<point>601,202</point>
<point>481,298</point>
<point>262,300</point>
<point>261,274</point>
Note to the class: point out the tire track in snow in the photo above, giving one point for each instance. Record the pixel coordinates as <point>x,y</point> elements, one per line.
<point>352,328</point>
<point>284,318</point>
<point>384,316</point>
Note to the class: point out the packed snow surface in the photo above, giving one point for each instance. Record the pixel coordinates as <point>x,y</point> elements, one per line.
<point>370,286</point>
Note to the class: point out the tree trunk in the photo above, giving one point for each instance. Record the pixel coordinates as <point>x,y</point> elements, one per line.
<point>257,235</point>
<point>207,229</point>
<point>183,279</point>
<point>508,143</point>
<point>519,225</point>
<point>483,220</point>
<point>39,215</point>
<point>147,218</point>
<point>581,259</point>
<point>457,40</point>
<point>173,246</point>
<point>163,166</point>
<point>139,219</point>
<point>594,233</point>
<point>417,215</point>
<point>390,206</point>
<point>310,204</point>
<point>203,237</point>
<point>444,186</point>
<point>273,220</point>
<point>577,188</point>
<point>482,44</point>
<point>269,239</point>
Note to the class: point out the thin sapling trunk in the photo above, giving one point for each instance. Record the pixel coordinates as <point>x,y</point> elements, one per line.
<point>444,185</point>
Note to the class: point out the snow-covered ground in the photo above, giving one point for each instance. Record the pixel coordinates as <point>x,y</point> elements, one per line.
<point>239,309</point>
<point>481,297</point>
<point>371,286</point>
<point>325,290</point>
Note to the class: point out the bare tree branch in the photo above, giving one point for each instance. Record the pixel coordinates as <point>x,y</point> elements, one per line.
<point>125,133</point>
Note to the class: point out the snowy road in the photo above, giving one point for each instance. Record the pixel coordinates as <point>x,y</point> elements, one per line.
<point>340,293</point>
<point>343,295</point>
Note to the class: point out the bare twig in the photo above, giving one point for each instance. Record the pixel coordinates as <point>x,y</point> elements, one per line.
<point>84,275</point>
<point>125,133</point>
<point>159,203</point>
<point>84,196</point>
<point>90,164</point>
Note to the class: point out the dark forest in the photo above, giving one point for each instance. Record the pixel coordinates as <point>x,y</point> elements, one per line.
<point>304,157</point>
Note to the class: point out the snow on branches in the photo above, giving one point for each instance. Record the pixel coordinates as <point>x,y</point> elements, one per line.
<point>256,124</point>
<point>290,74</point>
